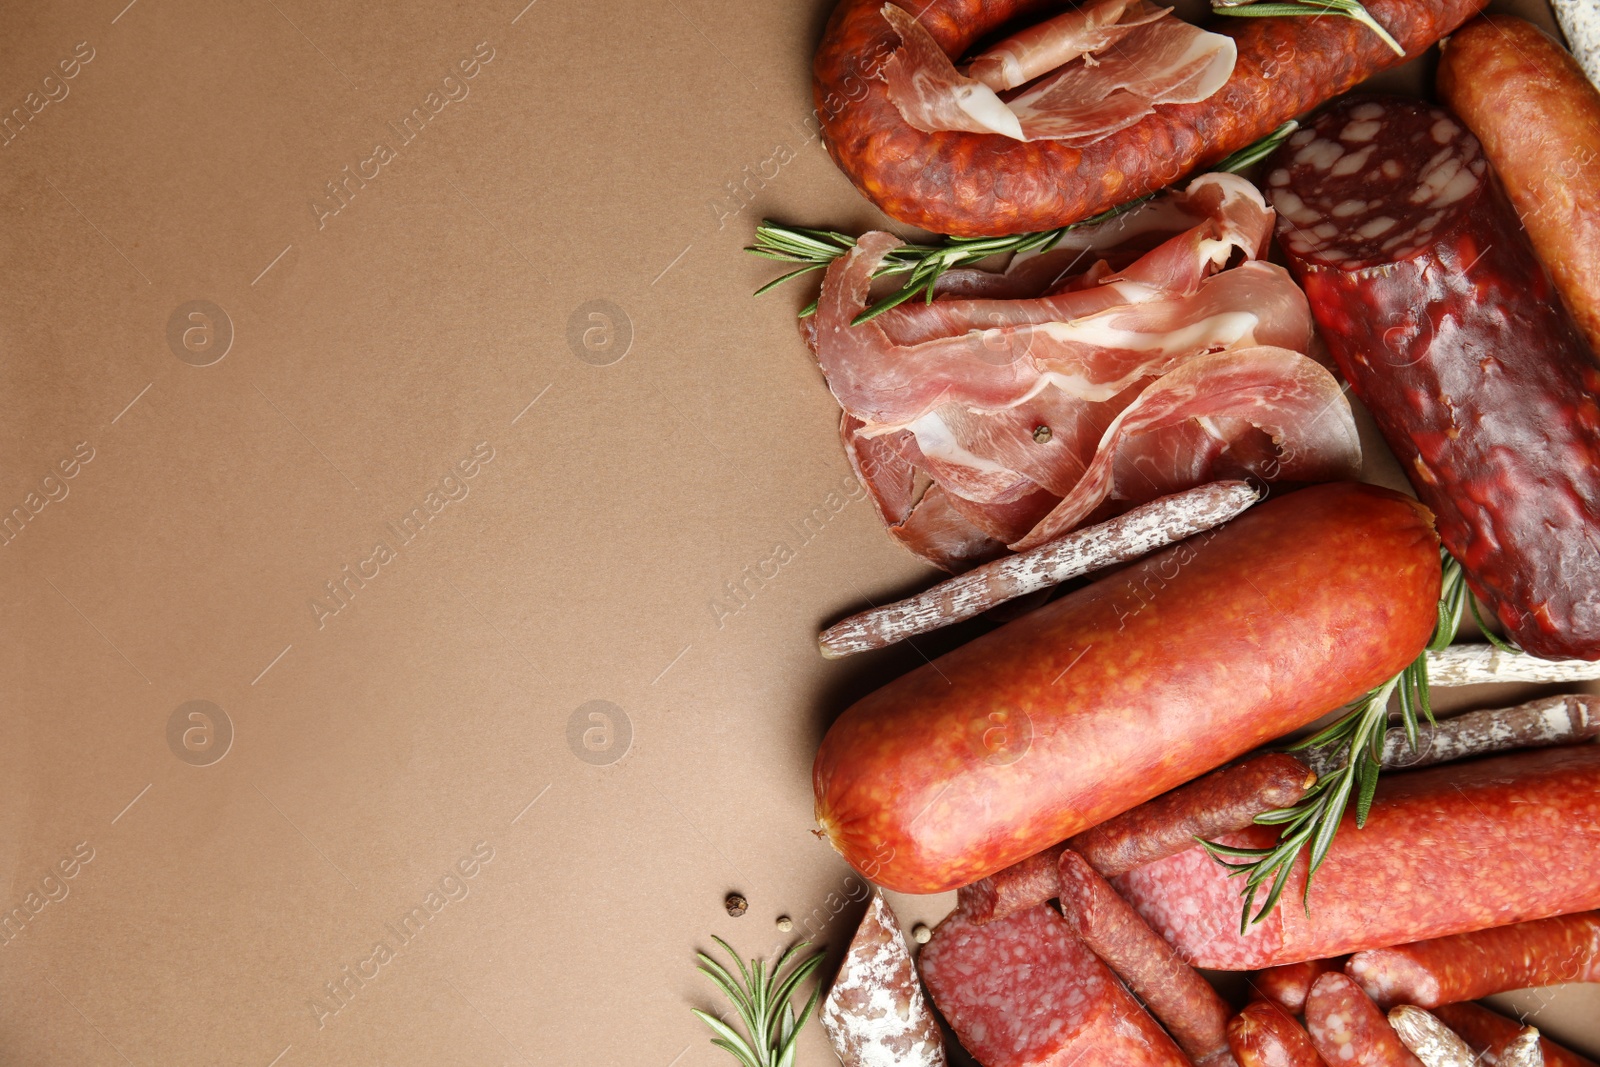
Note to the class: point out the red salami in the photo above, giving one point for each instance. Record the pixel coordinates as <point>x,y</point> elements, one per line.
<point>1024,992</point>
<point>1348,1029</point>
<point>1221,802</point>
<point>1449,329</point>
<point>1185,1003</point>
<point>1446,850</point>
<point>1264,1035</point>
<point>1288,985</point>
<point>1488,1034</point>
<point>1448,970</point>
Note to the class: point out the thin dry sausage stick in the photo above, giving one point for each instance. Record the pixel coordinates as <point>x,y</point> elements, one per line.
<point>1348,1029</point>
<point>1264,1035</point>
<point>1525,1050</point>
<point>1122,539</point>
<point>1448,970</point>
<point>1485,664</point>
<point>1221,802</point>
<point>1184,1002</point>
<point>1288,984</point>
<point>1489,1033</point>
<point>1559,720</point>
<point>1430,1040</point>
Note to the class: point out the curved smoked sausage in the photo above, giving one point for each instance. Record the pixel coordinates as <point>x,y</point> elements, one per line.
<point>1116,693</point>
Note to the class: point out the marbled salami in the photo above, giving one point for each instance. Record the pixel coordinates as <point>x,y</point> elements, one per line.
<point>1448,970</point>
<point>1024,992</point>
<point>876,1014</point>
<point>1264,1035</point>
<point>1288,984</point>
<point>1348,1029</point>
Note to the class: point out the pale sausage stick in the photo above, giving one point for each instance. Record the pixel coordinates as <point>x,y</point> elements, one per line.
<point>1126,537</point>
<point>1184,1002</point>
<point>1482,664</point>
<point>1561,720</point>
<point>1430,1040</point>
<point>1524,1050</point>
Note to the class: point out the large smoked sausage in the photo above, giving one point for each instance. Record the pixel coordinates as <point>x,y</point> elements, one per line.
<point>972,184</point>
<point>1432,301</point>
<point>1105,698</point>
<point>1446,850</point>
<point>1539,120</point>
<point>1024,992</point>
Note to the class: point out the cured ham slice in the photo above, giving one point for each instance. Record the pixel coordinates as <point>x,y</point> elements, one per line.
<point>1106,66</point>
<point>983,422</point>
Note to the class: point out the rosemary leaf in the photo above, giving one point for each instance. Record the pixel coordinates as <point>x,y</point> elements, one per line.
<point>1350,9</point>
<point>762,1000</point>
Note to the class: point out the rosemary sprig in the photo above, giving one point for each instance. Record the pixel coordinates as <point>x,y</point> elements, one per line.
<point>761,1000</point>
<point>1358,735</point>
<point>816,249</point>
<point>1351,9</point>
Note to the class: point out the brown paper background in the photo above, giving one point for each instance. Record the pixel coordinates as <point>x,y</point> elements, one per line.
<point>597,156</point>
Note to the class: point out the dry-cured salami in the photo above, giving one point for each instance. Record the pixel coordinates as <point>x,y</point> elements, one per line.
<point>1430,1040</point>
<point>1446,850</point>
<point>1448,970</point>
<point>1264,1035</point>
<point>875,1014</point>
<point>1184,1002</point>
<point>1538,118</point>
<point>972,184</point>
<point>1438,312</point>
<point>1287,985</point>
<point>1488,1033</point>
<point>1349,1030</point>
<point>1120,691</point>
<point>1024,992</point>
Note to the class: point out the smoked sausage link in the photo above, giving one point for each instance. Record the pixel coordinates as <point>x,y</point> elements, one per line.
<point>1023,992</point>
<point>1287,986</point>
<point>979,184</point>
<point>1264,1035</point>
<point>1116,693</point>
<point>1539,120</point>
<point>1488,1033</point>
<point>1448,970</point>
<point>1446,850</point>
<point>1429,295</point>
<point>1348,1029</point>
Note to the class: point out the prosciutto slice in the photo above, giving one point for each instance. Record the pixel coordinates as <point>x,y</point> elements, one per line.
<point>981,422</point>
<point>1107,65</point>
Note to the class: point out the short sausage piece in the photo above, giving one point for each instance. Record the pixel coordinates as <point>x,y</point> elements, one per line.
<point>876,1013</point>
<point>1221,802</point>
<point>1446,850</point>
<point>1288,984</point>
<point>1024,992</point>
<point>1183,1001</point>
<point>1539,120</point>
<point>1085,708</point>
<point>1434,305</point>
<point>1348,1029</point>
<point>1264,1035</point>
<point>1448,970</point>
<point>1488,1033</point>
<point>982,184</point>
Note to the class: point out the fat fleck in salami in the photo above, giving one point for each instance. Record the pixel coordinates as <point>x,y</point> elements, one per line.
<point>1288,985</point>
<point>1264,1035</point>
<point>1448,970</point>
<point>1488,1033</point>
<point>875,1014</point>
<point>1221,802</point>
<point>1348,1029</point>
<point>1183,1001</point>
<point>1446,850</point>
<point>1437,310</point>
<point>972,184</point>
<point>1024,992</point>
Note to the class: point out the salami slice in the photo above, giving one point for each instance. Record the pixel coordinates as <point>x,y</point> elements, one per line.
<point>875,1014</point>
<point>1024,992</point>
<point>1288,984</point>
<point>1448,970</point>
<point>1432,302</point>
<point>1264,1035</point>
<point>1348,1029</point>
<point>1488,1033</point>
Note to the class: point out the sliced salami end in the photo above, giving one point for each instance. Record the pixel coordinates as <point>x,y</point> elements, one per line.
<point>1374,182</point>
<point>875,1014</point>
<point>1024,992</point>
